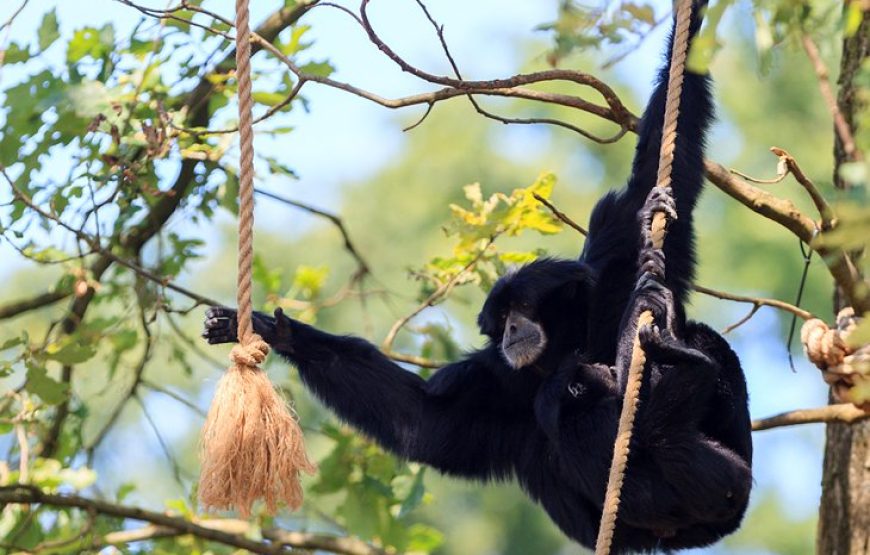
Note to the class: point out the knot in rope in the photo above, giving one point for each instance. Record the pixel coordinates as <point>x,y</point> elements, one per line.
<point>825,347</point>
<point>250,355</point>
<point>844,367</point>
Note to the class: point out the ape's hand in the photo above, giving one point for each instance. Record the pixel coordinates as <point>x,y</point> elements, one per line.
<point>221,326</point>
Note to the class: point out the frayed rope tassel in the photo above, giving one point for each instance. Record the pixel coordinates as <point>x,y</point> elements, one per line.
<point>252,446</point>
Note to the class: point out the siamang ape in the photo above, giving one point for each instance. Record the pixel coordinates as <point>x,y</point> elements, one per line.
<point>541,400</point>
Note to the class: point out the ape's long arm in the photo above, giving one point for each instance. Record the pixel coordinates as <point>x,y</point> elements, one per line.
<point>612,246</point>
<point>458,421</point>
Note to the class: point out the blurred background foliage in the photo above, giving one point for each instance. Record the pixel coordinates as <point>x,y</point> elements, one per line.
<point>99,114</point>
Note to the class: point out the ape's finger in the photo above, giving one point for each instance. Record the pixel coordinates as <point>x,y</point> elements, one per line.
<point>220,312</point>
<point>218,322</point>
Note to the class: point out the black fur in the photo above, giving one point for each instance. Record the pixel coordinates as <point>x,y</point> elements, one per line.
<point>551,423</point>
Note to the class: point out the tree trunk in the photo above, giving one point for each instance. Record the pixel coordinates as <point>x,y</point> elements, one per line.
<point>844,515</point>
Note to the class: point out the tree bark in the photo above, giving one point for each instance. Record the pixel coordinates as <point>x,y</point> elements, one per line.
<point>844,514</point>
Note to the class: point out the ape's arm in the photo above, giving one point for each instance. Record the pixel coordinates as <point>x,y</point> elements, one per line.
<point>456,422</point>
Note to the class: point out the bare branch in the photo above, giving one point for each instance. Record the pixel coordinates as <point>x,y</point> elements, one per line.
<point>757,301</point>
<point>229,532</point>
<point>822,75</point>
<point>415,360</point>
<point>846,413</point>
<point>36,302</point>
<point>825,210</point>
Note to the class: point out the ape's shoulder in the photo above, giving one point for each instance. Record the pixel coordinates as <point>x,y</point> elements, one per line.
<point>468,375</point>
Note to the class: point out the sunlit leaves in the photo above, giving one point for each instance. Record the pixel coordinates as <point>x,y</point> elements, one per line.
<point>476,226</point>
<point>89,99</point>
<point>580,26</point>
<point>90,41</point>
<point>48,30</point>
<point>51,474</point>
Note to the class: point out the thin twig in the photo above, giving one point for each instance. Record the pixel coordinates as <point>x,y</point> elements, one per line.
<point>561,215</point>
<point>757,301</point>
<point>439,293</point>
<point>825,210</point>
<point>336,221</point>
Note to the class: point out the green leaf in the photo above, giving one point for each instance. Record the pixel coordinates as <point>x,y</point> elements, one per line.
<point>15,54</point>
<point>9,343</point>
<point>48,30</point>
<point>49,390</point>
<point>124,340</point>
<point>860,335</point>
<point>92,42</point>
<point>319,69</point>
<point>854,16</point>
<point>124,490</point>
<point>415,496</point>
<point>423,539</point>
<point>268,98</point>
<point>71,352</point>
<point>270,280</point>
<point>89,99</point>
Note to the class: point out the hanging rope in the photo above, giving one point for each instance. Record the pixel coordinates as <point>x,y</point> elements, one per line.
<point>252,445</point>
<point>658,230</point>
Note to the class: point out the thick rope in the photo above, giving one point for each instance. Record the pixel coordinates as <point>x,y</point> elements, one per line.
<point>246,173</point>
<point>658,230</point>
<point>252,445</point>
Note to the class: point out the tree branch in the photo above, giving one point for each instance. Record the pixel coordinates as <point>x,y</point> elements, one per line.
<point>229,532</point>
<point>757,301</point>
<point>846,413</point>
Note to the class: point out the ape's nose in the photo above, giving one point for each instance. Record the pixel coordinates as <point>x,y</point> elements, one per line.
<point>519,328</point>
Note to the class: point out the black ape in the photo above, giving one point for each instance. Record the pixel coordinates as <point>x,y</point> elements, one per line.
<point>540,401</point>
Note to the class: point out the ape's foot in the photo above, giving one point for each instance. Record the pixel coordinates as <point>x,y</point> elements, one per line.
<point>652,259</point>
<point>221,325</point>
<point>660,345</point>
<point>660,199</point>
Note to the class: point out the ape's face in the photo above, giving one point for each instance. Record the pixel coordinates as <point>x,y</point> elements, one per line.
<point>536,310</point>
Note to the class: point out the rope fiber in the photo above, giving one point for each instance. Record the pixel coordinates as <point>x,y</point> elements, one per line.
<point>658,229</point>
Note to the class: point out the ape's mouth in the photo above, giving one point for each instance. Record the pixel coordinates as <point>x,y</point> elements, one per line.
<point>522,351</point>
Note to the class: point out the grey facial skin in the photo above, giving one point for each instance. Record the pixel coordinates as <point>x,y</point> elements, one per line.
<point>523,341</point>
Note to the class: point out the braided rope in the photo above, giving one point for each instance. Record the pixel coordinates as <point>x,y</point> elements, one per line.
<point>658,229</point>
<point>252,446</point>
<point>246,173</point>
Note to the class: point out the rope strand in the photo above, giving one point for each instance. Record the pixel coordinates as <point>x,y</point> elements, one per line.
<point>658,229</point>
<point>246,172</point>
